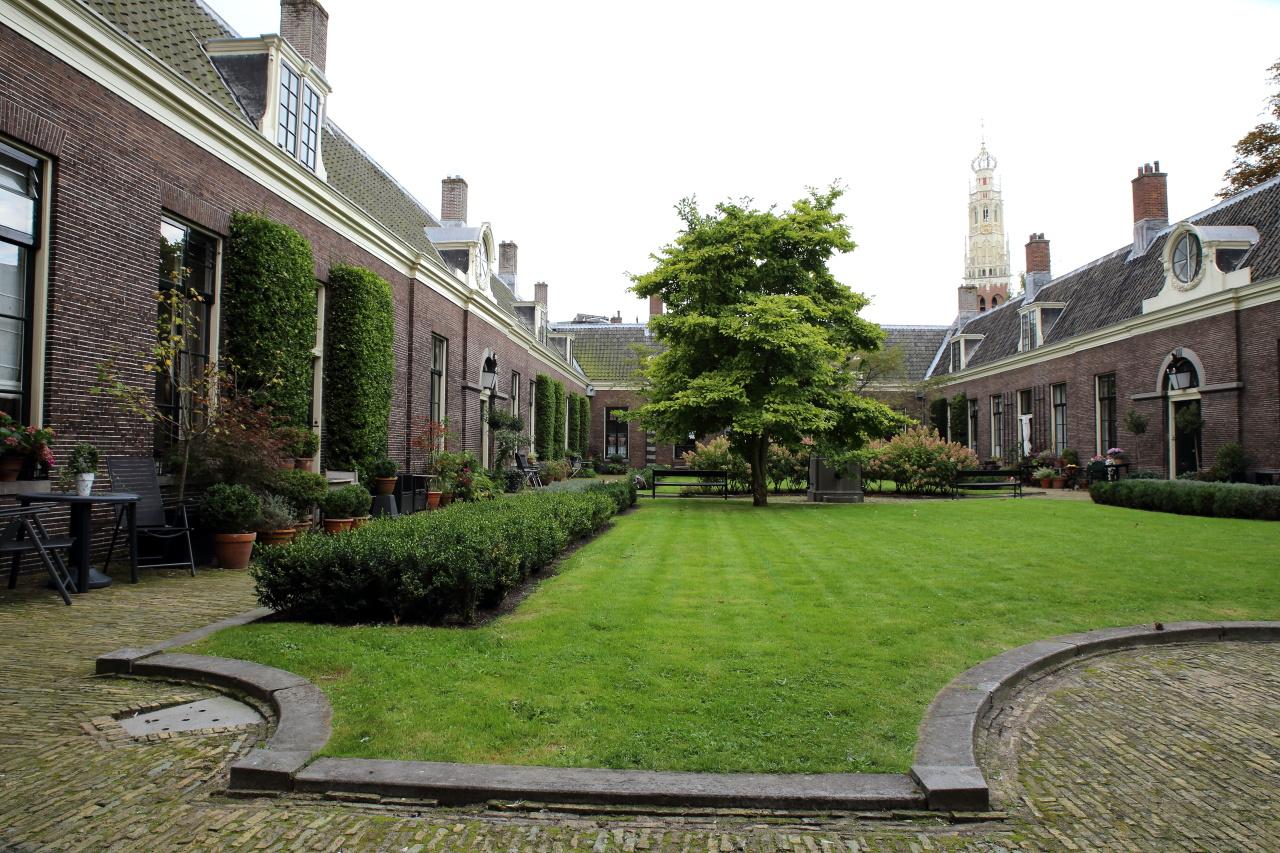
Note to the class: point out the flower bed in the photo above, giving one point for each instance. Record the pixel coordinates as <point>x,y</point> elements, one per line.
<point>1190,497</point>
<point>429,566</point>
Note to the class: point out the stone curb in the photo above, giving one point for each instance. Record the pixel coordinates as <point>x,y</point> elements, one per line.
<point>944,776</point>
<point>946,766</point>
<point>303,714</point>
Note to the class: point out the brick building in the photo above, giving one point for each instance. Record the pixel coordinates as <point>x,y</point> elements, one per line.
<point>121,120</point>
<point>1168,347</point>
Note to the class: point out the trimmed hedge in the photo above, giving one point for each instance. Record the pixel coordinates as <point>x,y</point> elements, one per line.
<point>269,313</point>
<point>584,426</point>
<point>1191,497</point>
<point>358,367</point>
<point>432,565</point>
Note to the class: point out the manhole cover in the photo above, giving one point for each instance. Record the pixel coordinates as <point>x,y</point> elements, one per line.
<point>205,714</point>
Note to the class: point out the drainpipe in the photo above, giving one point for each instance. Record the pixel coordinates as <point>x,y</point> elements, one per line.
<point>466,371</point>
<point>408,389</point>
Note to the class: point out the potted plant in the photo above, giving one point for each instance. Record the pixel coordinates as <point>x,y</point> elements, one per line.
<point>383,471</point>
<point>231,511</point>
<point>275,521</point>
<point>299,445</point>
<point>358,501</point>
<point>447,467</point>
<point>1044,475</point>
<point>341,506</point>
<point>79,469</point>
<point>1116,456</point>
<point>303,490</point>
<point>1059,480</point>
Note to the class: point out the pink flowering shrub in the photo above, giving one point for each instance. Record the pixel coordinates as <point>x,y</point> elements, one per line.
<point>917,460</point>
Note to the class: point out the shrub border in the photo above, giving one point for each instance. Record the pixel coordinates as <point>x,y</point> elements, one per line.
<point>945,776</point>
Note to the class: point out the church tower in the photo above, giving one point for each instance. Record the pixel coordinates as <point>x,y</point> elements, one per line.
<point>986,262</point>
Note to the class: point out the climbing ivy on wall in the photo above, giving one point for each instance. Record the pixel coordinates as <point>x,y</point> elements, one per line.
<point>358,366</point>
<point>269,313</point>
<point>544,410</point>
<point>557,438</point>
<point>584,425</point>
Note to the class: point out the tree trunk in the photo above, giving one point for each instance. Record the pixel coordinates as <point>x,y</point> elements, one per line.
<point>759,482</point>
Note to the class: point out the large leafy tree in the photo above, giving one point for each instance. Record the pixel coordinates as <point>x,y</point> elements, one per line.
<point>759,336</point>
<point>1258,151</point>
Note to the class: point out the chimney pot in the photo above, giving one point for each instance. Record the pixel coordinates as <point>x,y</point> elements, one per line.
<point>1150,206</point>
<point>616,318</point>
<point>540,293</point>
<point>655,305</point>
<point>453,200</point>
<point>305,25</point>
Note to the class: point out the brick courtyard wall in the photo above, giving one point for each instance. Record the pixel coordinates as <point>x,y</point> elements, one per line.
<point>115,171</point>
<point>1247,414</point>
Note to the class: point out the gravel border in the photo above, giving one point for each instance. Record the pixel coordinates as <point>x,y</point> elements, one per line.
<point>944,775</point>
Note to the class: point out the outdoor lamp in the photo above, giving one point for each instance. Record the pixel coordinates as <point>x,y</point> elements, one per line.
<point>1179,378</point>
<point>489,375</point>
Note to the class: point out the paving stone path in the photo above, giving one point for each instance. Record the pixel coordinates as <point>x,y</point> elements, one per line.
<point>1158,749</point>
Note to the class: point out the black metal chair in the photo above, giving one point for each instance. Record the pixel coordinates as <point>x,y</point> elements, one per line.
<point>532,476</point>
<point>575,465</point>
<point>137,474</point>
<point>24,533</point>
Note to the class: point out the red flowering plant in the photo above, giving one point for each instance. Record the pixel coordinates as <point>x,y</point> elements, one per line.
<point>30,442</point>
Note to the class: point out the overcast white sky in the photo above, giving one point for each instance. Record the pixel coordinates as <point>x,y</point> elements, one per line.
<point>579,125</point>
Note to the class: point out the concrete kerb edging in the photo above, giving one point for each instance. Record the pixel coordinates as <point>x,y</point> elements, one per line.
<point>946,766</point>
<point>944,776</point>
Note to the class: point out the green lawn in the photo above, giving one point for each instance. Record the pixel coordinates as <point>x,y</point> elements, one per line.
<point>704,635</point>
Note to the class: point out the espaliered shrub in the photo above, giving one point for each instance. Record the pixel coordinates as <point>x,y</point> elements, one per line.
<point>584,425</point>
<point>269,313</point>
<point>544,416</point>
<point>1191,497</point>
<point>558,436</point>
<point>571,412</point>
<point>358,367</point>
<point>431,566</point>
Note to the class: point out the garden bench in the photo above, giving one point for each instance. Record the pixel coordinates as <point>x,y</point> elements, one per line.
<point>987,480</point>
<point>680,478</point>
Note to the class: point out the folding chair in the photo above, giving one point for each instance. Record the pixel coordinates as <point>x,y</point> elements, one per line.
<point>24,533</point>
<point>531,474</point>
<point>575,465</point>
<point>137,474</point>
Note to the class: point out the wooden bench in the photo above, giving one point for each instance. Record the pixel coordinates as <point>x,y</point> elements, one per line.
<point>987,480</point>
<point>680,478</point>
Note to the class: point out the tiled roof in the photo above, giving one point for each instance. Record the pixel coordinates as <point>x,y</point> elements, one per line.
<point>607,351</point>
<point>1110,290</point>
<point>919,344</point>
<point>174,32</point>
<point>352,172</point>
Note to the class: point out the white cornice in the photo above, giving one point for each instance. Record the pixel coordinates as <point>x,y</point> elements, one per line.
<point>89,44</point>
<point>1236,299</point>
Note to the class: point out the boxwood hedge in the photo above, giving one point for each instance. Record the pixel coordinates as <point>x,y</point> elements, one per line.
<point>358,367</point>
<point>269,312</point>
<point>431,566</point>
<point>1192,497</point>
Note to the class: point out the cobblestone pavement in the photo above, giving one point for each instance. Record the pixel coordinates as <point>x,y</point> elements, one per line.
<point>1164,749</point>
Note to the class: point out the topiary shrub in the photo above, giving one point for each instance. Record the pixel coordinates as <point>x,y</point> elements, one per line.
<point>228,508</point>
<point>1191,497</point>
<point>584,425</point>
<point>302,489</point>
<point>358,367</point>
<point>269,313</point>
<point>431,566</point>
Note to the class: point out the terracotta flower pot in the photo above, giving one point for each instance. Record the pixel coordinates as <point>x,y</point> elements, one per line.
<point>446,498</point>
<point>233,549</point>
<point>304,463</point>
<point>337,525</point>
<point>301,527</point>
<point>285,465</point>
<point>10,467</point>
<point>360,521</point>
<point>1045,482</point>
<point>385,485</point>
<point>276,537</point>
<point>1059,482</point>
<point>433,500</point>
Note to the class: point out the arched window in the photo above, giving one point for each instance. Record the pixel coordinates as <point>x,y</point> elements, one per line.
<point>982,303</point>
<point>1181,375</point>
<point>995,300</point>
<point>985,214</point>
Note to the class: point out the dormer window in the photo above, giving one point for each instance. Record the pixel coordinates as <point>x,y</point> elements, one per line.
<point>298,125</point>
<point>1035,321</point>
<point>961,350</point>
<point>1186,257</point>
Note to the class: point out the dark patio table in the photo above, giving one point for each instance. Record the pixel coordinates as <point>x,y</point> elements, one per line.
<point>87,577</point>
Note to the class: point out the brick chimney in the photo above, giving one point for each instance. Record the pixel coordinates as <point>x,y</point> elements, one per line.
<point>453,200</point>
<point>1150,206</point>
<point>616,318</point>
<point>305,25</point>
<point>1038,274</point>
<point>655,305</point>
<point>507,258</point>
<point>540,293</point>
<point>968,303</point>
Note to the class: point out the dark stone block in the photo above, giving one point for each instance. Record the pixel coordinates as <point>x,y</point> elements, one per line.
<point>305,719</point>
<point>267,770</point>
